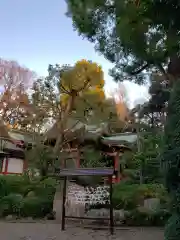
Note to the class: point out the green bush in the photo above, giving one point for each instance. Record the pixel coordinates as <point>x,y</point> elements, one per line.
<point>3,187</point>
<point>46,188</point>
<point>12,184</point>
<point>172,228</point>
<point>14,199</point>
<point>11,204</point>
<point>128,196</point>
<point>161,217</point>
<point>145,218</point>
<point>137,218</point>
<point>123,196</point>
<point>36,207</point>
<point>42,203</point>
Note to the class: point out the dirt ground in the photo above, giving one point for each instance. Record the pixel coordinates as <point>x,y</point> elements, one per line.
<point>51,231</point>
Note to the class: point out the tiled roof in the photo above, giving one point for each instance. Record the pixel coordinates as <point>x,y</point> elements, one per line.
<point>124,137</point>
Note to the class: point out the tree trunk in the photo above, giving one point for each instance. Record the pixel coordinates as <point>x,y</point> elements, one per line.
<point>62,122</point>
<point>59,141</point>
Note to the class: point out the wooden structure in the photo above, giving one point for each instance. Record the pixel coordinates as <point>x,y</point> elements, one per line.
<point>65,173</point>
<point>115,146</point>
<point>13,159</point>
<point>108,146</point>
<point>12,155</point>
<point>112,146</point>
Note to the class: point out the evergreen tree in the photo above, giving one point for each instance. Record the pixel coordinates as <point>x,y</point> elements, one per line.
<point>134,35</point>
<point>171,161</point>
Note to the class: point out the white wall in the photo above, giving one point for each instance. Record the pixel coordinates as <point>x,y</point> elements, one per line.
<point>15,165</point>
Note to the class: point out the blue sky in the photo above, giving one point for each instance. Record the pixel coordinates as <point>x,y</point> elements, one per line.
<point>37,33</point>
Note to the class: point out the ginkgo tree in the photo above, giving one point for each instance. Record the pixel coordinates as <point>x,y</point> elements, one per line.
<point>85,80</point>
<point>71,92</point>
<point>73,97</point>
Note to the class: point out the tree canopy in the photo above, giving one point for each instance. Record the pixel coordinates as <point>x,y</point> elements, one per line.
<point>73,98</point>
<point>15,107</point>
<point>75,94</point>
<point>134,35</point>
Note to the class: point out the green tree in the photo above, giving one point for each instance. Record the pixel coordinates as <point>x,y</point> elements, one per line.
<point>41,157</point>
<point>70,94</point>
<point>73,98</point>
<point>139,36</point>
<point>75,85</point>
<point>153,112</point>
<point>147,160</point>
<point>171,160</point>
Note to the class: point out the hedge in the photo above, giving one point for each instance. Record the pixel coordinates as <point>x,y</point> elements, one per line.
<point>129,196</point>
<point>140,218</point>
<point>15,197</point>
<point>24,198</point>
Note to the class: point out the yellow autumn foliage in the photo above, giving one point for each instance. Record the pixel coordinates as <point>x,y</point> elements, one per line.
<point>11,126</point>
<point>64,98</point>
<point>94,95</point>
<point>122,111</point>
<point>83,75</point>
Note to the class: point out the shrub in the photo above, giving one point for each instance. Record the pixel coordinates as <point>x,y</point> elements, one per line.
<point>129,196</point>
<point>137,218</point>
<point>123,196</point>
<point>12,184</point>
<point>42,203</point>
<point>46,188</point>
<point>14,199</point>
<point>172,228</point>
<point>3,187</point>
<point>145,218</point>
<point>36,207</point>
<point>11,204</point>
<point>161,217</point>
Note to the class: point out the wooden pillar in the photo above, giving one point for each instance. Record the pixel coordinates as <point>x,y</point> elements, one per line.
<point>63,205</point>
<point>119,173</point>
<point>6,165</point>
<point>111,209</point>
<point>116,160</point>
<point>25,165</point>
<point>116,166</point>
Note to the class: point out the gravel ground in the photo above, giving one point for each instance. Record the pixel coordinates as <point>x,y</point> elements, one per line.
<point>51,231</point>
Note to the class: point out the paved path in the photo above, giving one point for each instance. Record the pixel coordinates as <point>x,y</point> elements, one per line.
<point>51,231</point>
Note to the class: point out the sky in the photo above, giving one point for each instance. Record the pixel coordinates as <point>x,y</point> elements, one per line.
<point>37,33</point>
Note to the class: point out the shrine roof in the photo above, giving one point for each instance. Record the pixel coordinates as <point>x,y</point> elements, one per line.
<point>86,172</point>
<point>120,139</point>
